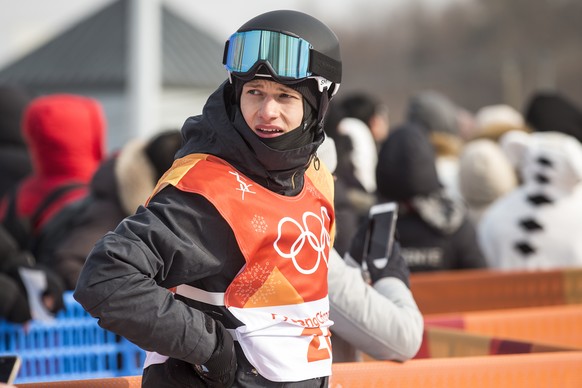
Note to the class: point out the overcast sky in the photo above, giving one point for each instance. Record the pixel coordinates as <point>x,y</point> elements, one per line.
<point>26,24</point>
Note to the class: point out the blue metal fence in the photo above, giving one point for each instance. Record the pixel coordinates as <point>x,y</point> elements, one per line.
<point>70,347</point>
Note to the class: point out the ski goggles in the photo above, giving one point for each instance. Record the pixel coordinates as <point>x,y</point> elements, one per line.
<point>288,57</point>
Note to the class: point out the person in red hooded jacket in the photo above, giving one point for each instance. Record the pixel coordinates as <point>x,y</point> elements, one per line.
<point>65,135</point>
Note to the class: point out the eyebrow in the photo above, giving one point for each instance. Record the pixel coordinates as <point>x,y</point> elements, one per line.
<point>279,87</point>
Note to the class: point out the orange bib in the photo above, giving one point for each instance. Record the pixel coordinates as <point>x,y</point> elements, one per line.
<point>280,295</point>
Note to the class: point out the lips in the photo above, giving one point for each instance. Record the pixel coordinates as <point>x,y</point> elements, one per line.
<point>268,132</point>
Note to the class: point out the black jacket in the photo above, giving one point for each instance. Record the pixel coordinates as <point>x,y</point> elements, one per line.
<point>102,214</point>
<point>180,238</point>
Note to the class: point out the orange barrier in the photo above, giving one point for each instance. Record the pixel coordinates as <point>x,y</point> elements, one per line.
<point>112,382</point>
<point>555,325</point>
<point>563,369</point>
<point>476,290</point>
<point>439,343</point>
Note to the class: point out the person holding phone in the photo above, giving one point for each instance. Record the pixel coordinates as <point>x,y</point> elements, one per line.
<point>376,315</point>
<point>433,227</point>
<point>375,303</point>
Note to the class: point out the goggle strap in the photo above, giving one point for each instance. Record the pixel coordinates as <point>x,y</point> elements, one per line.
<point>320,64</point>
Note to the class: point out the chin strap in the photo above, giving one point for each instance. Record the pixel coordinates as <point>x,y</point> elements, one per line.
<point>323,104</point>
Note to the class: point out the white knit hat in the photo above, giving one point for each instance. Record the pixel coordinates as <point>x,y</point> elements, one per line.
<point>485,173</point>
<point>494,120</point>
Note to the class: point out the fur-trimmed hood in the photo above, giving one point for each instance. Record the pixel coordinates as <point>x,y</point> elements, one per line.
<point>128,178</point>
<point>135,176</point>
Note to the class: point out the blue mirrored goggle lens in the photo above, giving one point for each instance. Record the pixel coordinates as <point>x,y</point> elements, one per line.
<point>287,56</point>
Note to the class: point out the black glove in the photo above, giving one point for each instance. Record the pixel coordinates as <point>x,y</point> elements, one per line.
<point>396,266</point>
<point>220,369</point>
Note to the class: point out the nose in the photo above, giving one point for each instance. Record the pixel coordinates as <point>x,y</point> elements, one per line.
<point>269,108</point>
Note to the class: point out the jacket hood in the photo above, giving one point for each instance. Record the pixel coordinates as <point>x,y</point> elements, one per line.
<point>406,165</point>
<point>66,140</point>
<point>65,135</point>
<point>439,210</point>
<point>135,175</point>
<point>128,178</point>
<point>221,131</point>
<point>551,161</point>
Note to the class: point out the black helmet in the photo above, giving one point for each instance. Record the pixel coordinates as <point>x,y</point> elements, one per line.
<point>289,46</point>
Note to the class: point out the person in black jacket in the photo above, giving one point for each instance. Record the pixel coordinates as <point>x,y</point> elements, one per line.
<point>222,276</point>
<point>432,226</point>
<point>122,183</point>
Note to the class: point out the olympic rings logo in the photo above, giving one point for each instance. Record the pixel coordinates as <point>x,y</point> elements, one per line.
<point>317,243</point>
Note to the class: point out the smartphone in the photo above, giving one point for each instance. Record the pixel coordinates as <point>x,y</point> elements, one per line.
<point>380,234</point>
<point>9,367</point>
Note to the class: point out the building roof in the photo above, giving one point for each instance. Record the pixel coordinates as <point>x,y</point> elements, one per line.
<point>93,53</point>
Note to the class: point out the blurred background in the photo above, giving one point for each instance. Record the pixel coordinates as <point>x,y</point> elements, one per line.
<point>158,60</point>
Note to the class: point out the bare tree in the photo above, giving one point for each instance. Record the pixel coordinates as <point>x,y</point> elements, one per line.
<point>478,53</point>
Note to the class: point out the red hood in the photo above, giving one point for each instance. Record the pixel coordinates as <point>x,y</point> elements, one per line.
<point>66,138</point>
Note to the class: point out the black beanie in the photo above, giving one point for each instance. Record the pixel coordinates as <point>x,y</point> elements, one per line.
<point>550,111</point>
<point>161,150</point>
<point>406,165</point>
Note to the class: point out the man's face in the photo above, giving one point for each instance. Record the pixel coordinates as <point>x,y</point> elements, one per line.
<point>269,108</point>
